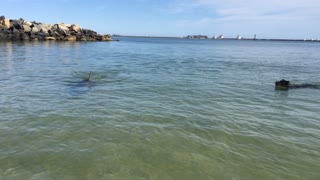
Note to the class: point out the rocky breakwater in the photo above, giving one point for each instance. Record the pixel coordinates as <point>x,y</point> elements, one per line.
<point>17,30</point>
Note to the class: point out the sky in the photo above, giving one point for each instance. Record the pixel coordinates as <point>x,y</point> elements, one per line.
<point>295,19</point>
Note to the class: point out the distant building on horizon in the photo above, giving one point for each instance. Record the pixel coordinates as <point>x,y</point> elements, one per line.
<point>238,37</point>
<point>197,36</point>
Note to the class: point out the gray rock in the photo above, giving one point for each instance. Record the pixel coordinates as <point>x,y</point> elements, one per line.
<point>89,32</point>
<point>16,36</point>
<point>34,29</point>
<point>71,38</point>
<point>67,25</point>
<point>54,27</point>
<point>26,28</point>
<point>83,39</point>
<point>24,37</point>
<point>14,30</point>
<point>2,27</point>
<point>28,23</point>
<point>5,22</point>
<point>63,30</point>
<point>75,27</point>
<point>49,26</point>
<point>20,21</point>
<point>3,36</point>
<point>63,27</point>
<point>44,30</point>
<point>43,27</point>
<point>16,25</point>
<point>50,38</point>
<point>42,34</point>
<point>32,35</point>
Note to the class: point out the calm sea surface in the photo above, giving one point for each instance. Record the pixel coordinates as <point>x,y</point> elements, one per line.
<point>158,109</point>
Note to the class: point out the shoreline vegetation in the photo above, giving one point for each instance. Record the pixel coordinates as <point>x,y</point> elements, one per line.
<point>21,30</point>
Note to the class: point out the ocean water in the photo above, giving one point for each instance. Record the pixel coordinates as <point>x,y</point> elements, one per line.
<point>158,108</point>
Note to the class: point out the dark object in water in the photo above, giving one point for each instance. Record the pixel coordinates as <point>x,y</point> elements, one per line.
<point>87,82</point>
<point>282,85</point>
<point>81,87</point>
<point>285,85</point>
<point>89,78</point>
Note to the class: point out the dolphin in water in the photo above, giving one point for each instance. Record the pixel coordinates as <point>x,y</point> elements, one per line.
<point>88,82</point>
<point>285,85</point>
<point>89,79</point>
<point>83,86</point>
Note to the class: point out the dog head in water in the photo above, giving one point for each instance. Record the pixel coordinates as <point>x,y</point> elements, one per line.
<point>282,85</point>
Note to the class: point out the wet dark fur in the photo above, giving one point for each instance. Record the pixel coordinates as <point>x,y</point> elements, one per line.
<point>285,85</point>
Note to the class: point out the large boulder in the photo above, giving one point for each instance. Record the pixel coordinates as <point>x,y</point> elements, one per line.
<point>75,28</point>
<point>83,39</point>
<point>104,38</point>
<point>14,30</point>
<point>24,37</point>
<point>49,26</point>
<point>3,36</point>
<point>20,21</point>
<point>71,38</point>
<point>18,24</point>
<point>44,30</point>
<point>2,27</point>
<point>16,35</point>
<point>26,28</point>
<point>43,27</point>
<point>35,29</point>
<point>54,27</point>
<point>67,25</point>
<point>50,38</point>
<point>28,23</point>
<point>62,26</point>
<point>32,36</point>
<point>89,32</point>
<point>42,35</point>
<point>5,22</point>
<point>63,30</point>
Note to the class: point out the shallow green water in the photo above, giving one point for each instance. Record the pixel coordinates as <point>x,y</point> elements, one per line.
<point>159,109</point>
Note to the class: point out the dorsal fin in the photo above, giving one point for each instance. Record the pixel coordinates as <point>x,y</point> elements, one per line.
<point>89,78</point>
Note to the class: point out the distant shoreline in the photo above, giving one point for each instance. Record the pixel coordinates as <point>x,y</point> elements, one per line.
<point>243,39</point>
<point>174,37</point>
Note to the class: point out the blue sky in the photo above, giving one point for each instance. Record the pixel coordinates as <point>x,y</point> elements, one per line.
<point>266,18</point>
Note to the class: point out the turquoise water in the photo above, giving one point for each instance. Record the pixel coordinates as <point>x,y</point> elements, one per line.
<point>159,109</point>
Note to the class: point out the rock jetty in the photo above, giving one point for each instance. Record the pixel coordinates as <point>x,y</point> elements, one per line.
<point>21,30</point>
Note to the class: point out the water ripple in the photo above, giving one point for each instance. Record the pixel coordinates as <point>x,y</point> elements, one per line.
<point>159,109</point>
